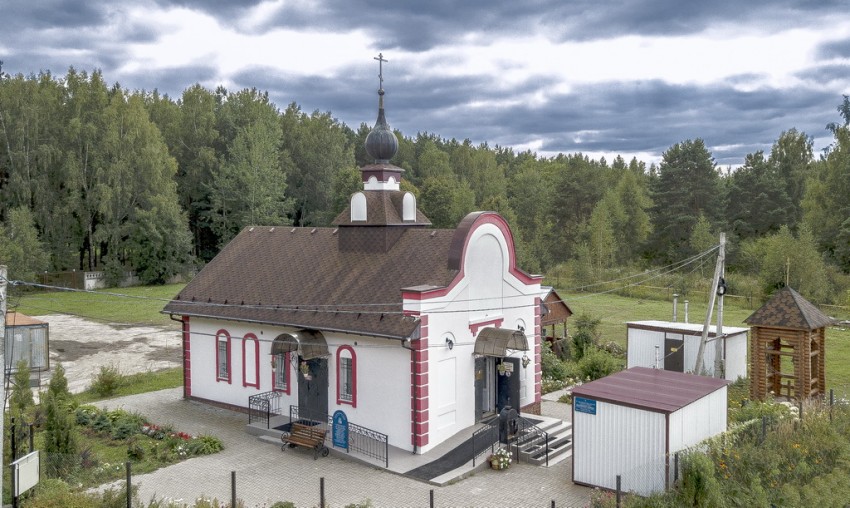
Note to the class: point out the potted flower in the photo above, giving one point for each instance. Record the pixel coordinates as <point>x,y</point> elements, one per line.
<point>501,459</point>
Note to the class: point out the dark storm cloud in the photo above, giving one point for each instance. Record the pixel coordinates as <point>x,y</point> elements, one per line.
<point>41,14</point>
<point>835,49</point>
<point>419,26</point>
<point>171,82</point>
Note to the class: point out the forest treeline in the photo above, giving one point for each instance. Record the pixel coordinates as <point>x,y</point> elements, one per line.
<point>95,176</point>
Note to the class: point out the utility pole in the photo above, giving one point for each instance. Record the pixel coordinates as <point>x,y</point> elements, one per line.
<point>718,269</point>
<point>720,290</point>
<point>3,284</point>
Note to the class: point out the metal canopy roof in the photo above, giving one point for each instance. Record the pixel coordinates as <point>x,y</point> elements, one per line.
<point>496,341</point>
<point>309,344</point>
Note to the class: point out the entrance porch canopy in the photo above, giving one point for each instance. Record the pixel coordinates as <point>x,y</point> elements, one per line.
<point>308,343</point>
<point>497,341</point>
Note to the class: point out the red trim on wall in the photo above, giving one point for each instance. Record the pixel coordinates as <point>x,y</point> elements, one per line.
<point>339,399</point>
<point>538,354</point>
<point>245,381</point>
<point>229,363</point>
<point>419,399</point>
<point>495,323</point>
<point>187,359</point>
<point>482,219</point>
<point>286,372</point>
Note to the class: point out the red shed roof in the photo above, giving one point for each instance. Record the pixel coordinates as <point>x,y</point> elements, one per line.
<point>17,319</point>
<point>657,390</point>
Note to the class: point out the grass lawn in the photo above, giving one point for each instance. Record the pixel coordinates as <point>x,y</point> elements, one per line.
<point>614,311</point>
<point>134,384</point>
<point>139,305</point>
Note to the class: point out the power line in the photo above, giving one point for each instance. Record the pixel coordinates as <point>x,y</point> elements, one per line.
<point>390,308</point>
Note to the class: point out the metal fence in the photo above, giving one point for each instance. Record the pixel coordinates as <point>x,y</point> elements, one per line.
<point>363,440</point>
<point>263,406</point>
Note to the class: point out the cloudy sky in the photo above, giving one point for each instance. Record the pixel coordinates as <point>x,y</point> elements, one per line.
<point>598,77</point>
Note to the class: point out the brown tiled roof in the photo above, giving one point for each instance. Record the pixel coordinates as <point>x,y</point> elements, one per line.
<point>787,309</point>
<point>263,273</point>
<point>384,208</point>
<point>17,319</point>
<point>657,390</point>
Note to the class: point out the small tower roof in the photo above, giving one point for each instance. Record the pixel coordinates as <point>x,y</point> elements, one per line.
<point>788,309</point>
<point>381,143</point>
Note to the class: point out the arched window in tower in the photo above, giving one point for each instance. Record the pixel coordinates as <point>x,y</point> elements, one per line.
<point>358,207</point>
<point>346,376</point>
<point>408,206</point>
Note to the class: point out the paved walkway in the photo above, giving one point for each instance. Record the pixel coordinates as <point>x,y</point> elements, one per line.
<point>265,475</point>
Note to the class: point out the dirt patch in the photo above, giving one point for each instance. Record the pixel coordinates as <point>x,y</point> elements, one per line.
<point>83,346</point>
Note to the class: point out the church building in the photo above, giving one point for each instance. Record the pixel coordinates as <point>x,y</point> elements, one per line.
<point>414,332</point>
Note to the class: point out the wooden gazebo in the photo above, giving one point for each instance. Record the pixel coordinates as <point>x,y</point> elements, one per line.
<point>787,348</point>
<point>554,311</point>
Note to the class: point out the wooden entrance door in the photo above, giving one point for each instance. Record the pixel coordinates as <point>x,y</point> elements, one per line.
<point>313,390</point>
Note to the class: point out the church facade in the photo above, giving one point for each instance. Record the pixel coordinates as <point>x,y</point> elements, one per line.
<point>411,331</point>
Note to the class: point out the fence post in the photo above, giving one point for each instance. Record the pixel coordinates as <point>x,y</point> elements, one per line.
<point>618,491</point>
<point>233,489</point>
<point>831,402</point>
<point>431,497</point>
<point>32,445</point>
<point>268,414</point>
<point>14,439</point>
<point>322,492</point>
<point>676,467</point>
<point>553,503</point>
<point>129,485</point>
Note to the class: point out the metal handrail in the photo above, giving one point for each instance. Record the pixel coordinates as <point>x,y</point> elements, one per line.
<point>263,406</point>
<point>525,429</point>
<point>486,436</point>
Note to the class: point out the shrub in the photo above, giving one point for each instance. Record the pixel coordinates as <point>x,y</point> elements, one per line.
<point>553,368</point>
<point>596,364</point>
<point>107,381</point>
<point>102,423</point>
<point>135,449</point>
<point>283,504</point>
<point>122,429</point>
<point>205,445</point>
<point>86,415</point>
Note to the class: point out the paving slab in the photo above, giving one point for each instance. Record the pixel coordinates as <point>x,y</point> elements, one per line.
<point>265,475</point>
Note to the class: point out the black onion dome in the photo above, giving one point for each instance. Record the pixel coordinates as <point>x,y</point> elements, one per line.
<point>381,143</point>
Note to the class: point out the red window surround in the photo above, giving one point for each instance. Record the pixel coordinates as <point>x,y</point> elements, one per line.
<point>339,398</point>
<point>219,334</point>
<point>256,381</point>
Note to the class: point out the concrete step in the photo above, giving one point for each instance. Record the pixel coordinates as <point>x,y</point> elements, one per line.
<point>560,440</point>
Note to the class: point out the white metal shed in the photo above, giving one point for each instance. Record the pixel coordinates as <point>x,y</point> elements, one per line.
<point>678,344</point>
<point>633,422</point>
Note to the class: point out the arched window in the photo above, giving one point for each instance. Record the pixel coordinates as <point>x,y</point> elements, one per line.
<point>222,356</point>
<point>346,376</point>
<point>280,372</point>
<point>250,361</point>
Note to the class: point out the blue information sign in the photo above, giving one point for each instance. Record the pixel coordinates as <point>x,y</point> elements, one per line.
<point>583,405</point>
<point>340,430</point>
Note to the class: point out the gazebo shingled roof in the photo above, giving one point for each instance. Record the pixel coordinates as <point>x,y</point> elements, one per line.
<point>788,309</point>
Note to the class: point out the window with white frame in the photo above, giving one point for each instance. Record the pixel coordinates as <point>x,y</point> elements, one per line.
<point>222,354</point>
<point>281,372</point>
<point>346,376</point>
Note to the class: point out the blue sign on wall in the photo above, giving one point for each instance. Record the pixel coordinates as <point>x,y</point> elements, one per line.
<point>583,405</point>
<point>340,430</point>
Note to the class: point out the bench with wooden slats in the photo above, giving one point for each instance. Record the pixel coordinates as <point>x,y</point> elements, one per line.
<point>308,436</point>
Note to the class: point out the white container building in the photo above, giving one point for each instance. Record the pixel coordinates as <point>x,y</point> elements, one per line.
<point>633,422</point>
<point>673,346</point>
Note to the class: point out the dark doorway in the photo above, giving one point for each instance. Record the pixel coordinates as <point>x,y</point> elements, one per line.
<point>313,389</point>
<point>674,354</point>
<point>507,386</point>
